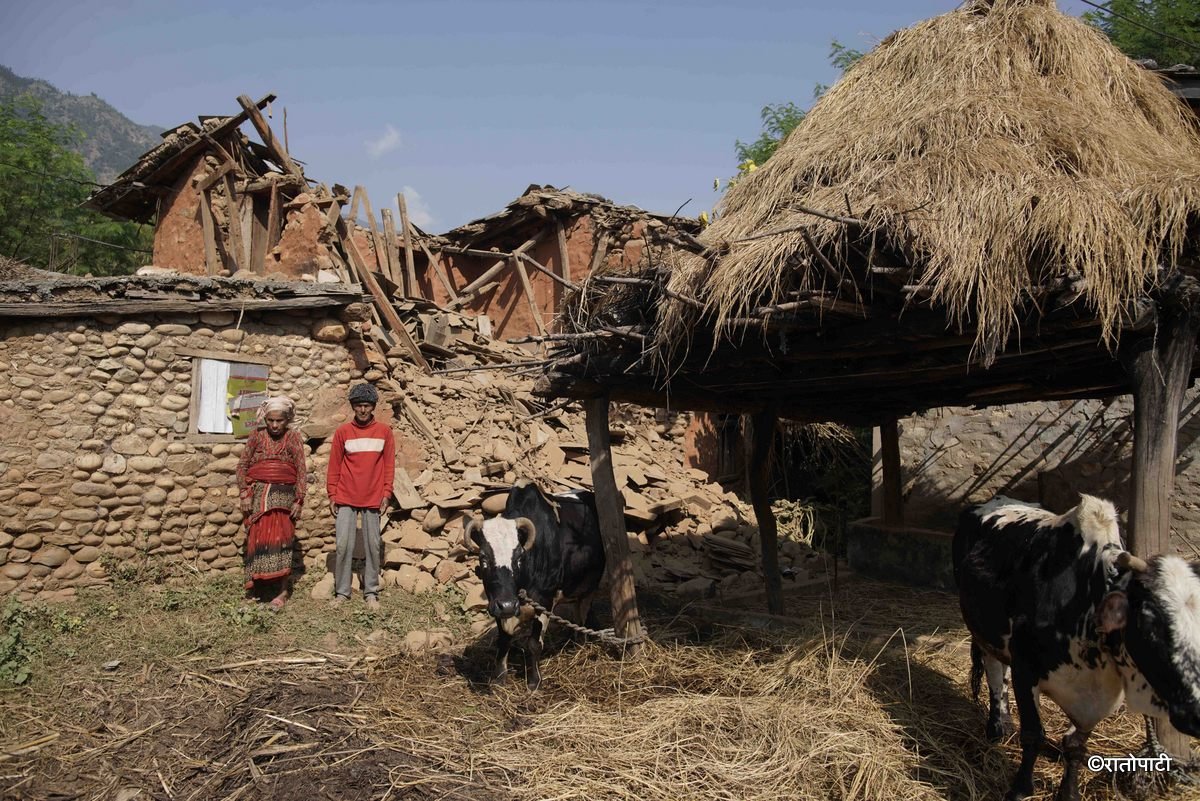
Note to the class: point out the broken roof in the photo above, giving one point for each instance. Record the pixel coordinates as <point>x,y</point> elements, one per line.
<point>539,203</point>
<point>134,194</point>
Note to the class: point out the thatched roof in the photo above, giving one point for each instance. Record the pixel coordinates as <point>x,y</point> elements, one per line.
<point>998,187</point>
<point>995,148</point>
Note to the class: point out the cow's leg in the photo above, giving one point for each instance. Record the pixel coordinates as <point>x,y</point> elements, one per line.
<point>503,644</point>
<point>1000,724</point>
<point>1075,751</point>
<point>1032,733</point>
<point>533,674</point>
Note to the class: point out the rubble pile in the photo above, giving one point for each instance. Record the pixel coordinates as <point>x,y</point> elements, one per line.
<point>464,437</point>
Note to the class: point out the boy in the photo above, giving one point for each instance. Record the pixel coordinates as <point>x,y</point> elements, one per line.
<point>361,469</point>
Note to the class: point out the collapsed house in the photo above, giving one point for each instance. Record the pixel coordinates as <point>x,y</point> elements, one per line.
<point>263,284</point>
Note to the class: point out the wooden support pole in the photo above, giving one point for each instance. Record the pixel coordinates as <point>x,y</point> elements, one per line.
<point>234,217</point>
<point>611,511</point>
<point>439,271</point>
<point>1160,368</point>
<point>212,264</point>
<point>274,227</point>
<point>380,257</point>
<point>758,470</point>
<point>410,269</point>
<point>541,268</point>
<point>893,509</point>
<point>391,245</point>
<point>564,263</point>
<point>274,145</point>
<point>476,286</point>
<point>381,299</point>
<point>534,311</point>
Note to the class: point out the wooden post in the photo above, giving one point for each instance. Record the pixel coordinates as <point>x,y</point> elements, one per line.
<point>611,510</point>
<point>212,264</point>
<point>380,258</point>
<point>893,509</point>
<point>234,216</point>
<point>760,443</point>
<point>1160,368</point>
<point>393,259</point>
<point>264,131</point>
<point>274,228</point>
<point>440,272</point>
<point>523,275</point>
<point>564,263</point>
<point>381,299</point>
<point>410,268</point>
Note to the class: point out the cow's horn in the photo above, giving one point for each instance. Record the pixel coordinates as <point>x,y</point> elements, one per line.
<point>473,525</point>
<point>1126,560</point>
<point>526,527</point>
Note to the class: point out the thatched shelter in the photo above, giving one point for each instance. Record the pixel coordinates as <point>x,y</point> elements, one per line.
<point>994,205</point>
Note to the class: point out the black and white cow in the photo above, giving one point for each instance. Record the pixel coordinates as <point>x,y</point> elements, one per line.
<point>1057,600</point>
<point>548,546</point>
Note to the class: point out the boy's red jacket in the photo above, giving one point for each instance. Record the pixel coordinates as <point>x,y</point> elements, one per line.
<point>361,464</point>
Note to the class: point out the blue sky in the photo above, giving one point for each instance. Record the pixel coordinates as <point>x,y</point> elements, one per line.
<point>461,104</point>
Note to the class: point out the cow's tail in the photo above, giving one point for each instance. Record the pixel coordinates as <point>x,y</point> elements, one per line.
<point>976,669</point>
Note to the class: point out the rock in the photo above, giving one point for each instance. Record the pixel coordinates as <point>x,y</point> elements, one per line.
<point>53,460</point>
<point>27,542</point>
<point>89,461</point>
<point>408,578</point>
<point>144,464</point>
<point>447,570</point>
<point>114,464</point>
<point>475,600</point>
<point>174,403</point>
<point>433,521</point>
<point>414,539</point>
<point>329,330</point>
<point>133,329</point>
<point>323,590</point>
<point>87,554</point>
<point>129,445</point>
<point>699,587</point>
<point>494,504</point>
<point>397,557</point>
<point>420,642</point>
<point>51,556</point>
<point>724,520</point>
<point>69,571</point>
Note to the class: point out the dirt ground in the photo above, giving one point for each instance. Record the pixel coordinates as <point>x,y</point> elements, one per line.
<point>180,693</point>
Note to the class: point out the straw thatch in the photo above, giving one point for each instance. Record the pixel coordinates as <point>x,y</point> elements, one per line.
<point>993,150</point>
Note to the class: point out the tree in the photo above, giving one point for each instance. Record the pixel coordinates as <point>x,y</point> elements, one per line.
<point>42,184</point>
<point>1167,31</point>
<point>780,119</point>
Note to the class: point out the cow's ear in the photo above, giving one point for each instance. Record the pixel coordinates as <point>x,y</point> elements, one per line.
<point>473,535</point>
<point>1113,612</point>
<point>526,531</point>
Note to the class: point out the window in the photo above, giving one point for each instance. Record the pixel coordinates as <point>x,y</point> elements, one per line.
<point>227,390</point>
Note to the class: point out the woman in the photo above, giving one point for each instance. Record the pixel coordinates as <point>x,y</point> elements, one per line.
<point>271,478</point>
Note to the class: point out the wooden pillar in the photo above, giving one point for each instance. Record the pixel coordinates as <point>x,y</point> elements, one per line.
<point>1159,367</point>
<point>893,505</point>
<point>758,470</point>
<point>611,510</point>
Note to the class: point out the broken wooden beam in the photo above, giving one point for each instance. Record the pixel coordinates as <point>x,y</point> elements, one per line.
<point>410,269</point>
<point>527,288</point>
<point>264,131</point>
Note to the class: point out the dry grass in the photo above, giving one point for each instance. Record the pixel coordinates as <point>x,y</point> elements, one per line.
<point>995,147</point>
<point>864,698</point>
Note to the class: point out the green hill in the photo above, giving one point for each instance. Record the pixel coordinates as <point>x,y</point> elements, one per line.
<point>112,142</point>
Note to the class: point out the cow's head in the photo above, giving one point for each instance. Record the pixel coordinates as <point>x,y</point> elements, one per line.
<point>1159,617</point>
<point>501,545</point>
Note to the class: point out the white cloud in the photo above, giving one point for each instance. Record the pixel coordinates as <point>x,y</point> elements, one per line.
<point>418,210</point>
<point>389,141</point>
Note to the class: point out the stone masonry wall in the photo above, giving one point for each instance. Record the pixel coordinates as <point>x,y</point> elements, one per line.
<point>1047,452</point>
<point>94,454</point>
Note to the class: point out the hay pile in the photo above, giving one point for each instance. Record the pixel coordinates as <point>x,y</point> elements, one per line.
<point>716,722</point>
<point>995,148</point>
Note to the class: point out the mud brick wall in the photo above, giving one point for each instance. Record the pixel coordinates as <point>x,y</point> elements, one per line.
<point>95,456</point>
<point>1047,452</point>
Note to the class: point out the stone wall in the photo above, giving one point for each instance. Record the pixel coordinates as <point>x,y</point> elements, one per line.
<point>96,466</point>
<point>1047,452</point>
